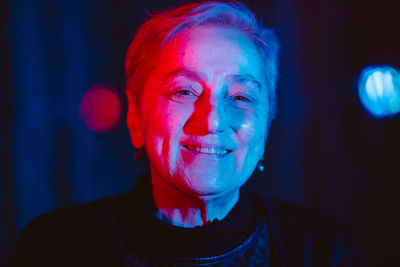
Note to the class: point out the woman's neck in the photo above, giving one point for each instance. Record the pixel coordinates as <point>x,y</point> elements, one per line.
<point>183,209</point>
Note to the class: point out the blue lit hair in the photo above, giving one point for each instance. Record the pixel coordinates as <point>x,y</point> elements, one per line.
<point>155,33</point>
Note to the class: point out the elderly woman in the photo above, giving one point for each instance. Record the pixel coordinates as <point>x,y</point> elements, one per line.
<point>201,91</point>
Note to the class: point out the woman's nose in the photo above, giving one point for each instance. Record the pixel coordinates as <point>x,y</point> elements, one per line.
<point>208,118</point>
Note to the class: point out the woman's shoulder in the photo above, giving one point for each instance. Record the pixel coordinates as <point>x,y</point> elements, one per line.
<point>302,234</point>
<point>293,219</point>
<point>47,237</point>
<point>78,213</point>
<point>296,217</point>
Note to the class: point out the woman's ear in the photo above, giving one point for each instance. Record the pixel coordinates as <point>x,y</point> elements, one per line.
<point>133,123</point>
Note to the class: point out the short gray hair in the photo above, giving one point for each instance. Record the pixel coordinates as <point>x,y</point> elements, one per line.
<point>155,33</point>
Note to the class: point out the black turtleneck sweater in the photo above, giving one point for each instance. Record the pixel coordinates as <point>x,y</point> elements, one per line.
<point>123,231</point>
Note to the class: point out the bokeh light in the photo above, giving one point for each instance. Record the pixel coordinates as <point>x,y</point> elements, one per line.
<point>100,108</point>
<point>379,90</point>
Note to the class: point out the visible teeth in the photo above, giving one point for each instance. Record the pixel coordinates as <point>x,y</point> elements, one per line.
<point>208,150</point>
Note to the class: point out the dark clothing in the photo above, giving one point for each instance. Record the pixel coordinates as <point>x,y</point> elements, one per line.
<point>122,231</point>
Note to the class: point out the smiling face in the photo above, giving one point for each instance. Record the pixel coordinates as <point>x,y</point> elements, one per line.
<point>203,114</point>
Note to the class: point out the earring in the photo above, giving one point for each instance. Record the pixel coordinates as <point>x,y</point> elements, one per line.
<point>260,166</point>
<point>139,155</point>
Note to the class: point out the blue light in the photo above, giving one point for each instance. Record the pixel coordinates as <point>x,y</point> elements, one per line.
<point>379,90</point>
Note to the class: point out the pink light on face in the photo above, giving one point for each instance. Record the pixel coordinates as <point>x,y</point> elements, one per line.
<point>203,117</point>
<point>100,108</point>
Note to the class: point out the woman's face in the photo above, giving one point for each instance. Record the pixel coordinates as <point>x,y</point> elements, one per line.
<point>204,111</point>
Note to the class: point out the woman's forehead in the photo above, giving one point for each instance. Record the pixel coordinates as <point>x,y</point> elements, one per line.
<point>206,51</point>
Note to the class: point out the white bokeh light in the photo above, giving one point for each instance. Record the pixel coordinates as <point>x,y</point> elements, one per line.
<point>379,90</point>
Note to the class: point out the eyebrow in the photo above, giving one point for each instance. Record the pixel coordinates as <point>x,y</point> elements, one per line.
<point>245,78</point>
<point>236,78</point>
<point>182,72</point>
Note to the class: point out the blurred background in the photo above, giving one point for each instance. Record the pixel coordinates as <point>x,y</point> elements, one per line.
<point>63,138</point>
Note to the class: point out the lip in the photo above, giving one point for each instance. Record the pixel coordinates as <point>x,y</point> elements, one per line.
<point>207,150</point>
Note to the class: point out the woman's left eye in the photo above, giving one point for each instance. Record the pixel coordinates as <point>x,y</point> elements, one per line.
<point>242,101</point>
<point>241,98</point>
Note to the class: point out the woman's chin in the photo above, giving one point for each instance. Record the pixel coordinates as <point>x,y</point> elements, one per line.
<point>208,186</point>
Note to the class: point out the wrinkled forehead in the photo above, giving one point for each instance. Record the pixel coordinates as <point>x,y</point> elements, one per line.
<point>210,51</point>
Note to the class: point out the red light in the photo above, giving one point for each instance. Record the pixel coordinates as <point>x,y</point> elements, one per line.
<point>100,108</point>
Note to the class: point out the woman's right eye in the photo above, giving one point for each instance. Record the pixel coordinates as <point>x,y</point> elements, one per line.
<point>184,92</point>
<point>184,95</point>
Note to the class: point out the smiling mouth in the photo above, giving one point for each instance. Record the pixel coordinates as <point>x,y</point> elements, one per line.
<point>208,150</point>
